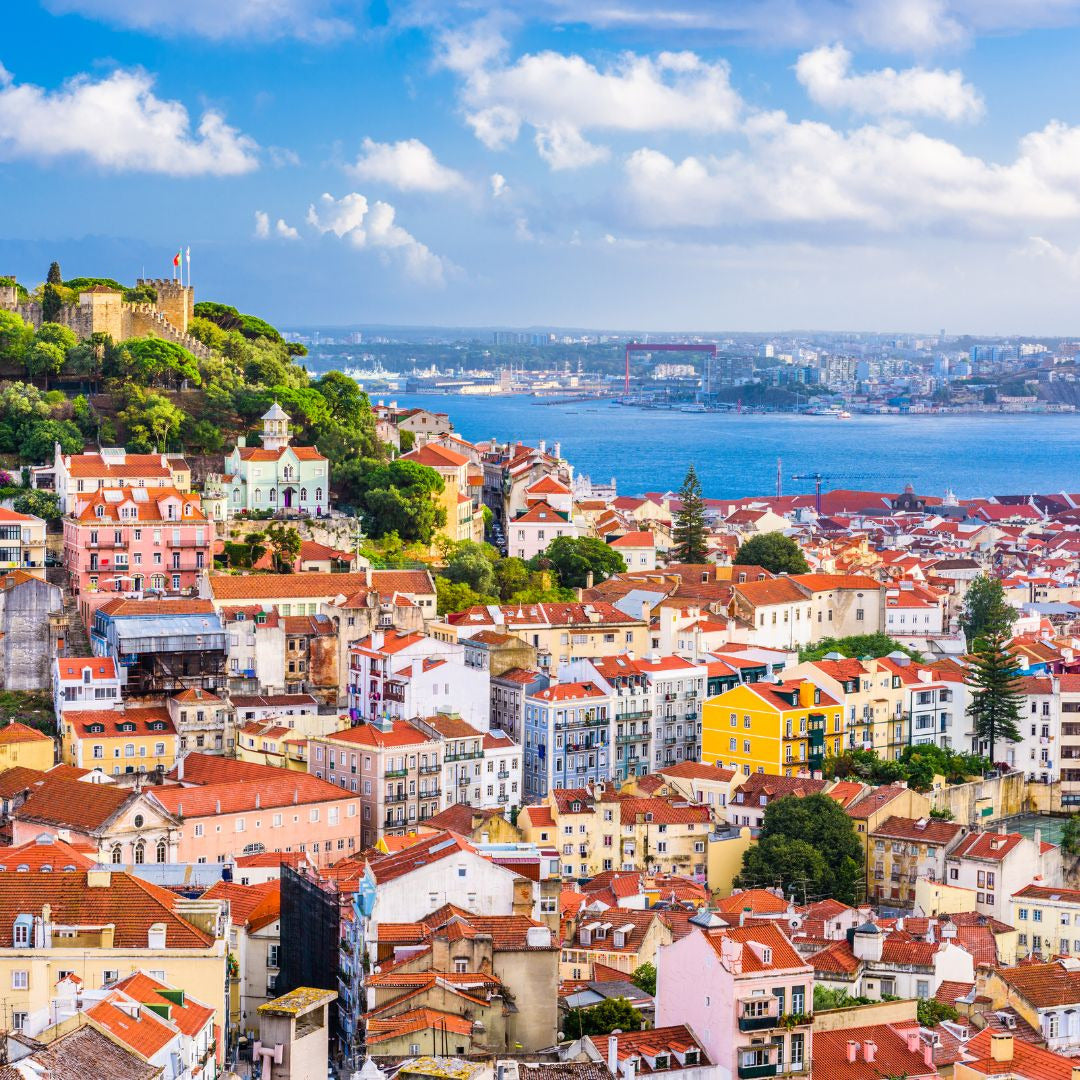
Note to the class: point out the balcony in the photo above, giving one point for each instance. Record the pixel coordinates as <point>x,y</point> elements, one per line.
<point>393,774</point>
<point>96,545</point>
<point>642,714</point>
<point>750,1071</point>
<point>431,793</point>
<point>398,798</point>
<point>464,755</point>
<point>624,740</point>
<point>751,1018</point>
<point>757,1023</point>
<point>503,774</point>
<point>426,769</point>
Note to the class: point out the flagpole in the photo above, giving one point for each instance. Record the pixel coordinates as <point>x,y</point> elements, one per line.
<point>188,253</point>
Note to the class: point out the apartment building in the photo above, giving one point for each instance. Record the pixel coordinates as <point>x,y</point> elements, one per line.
<point>84,683</point>
<point>781,728</point>
<point>78,476</point>
<point>133,540</point>
<point>561,632</point>
<point>745,991</point>
<point>394,768</point>
<point>1047,919</point>
<point>568,737</point>
<point>22,543</point>
<point>904,850</point>
<point>119,740</point>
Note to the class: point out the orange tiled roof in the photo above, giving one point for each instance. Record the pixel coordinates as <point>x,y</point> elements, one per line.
<point>15,732</point>
<point>140,1029</point>
<point>191,1017</point>
<point>87,808</point>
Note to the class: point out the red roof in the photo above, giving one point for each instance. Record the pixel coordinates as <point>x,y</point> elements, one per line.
<point>990,846</point>
<point>191,1017</point>
<point>15,732</point>
<point>71,667</point>
<point>1026,1060</point>
<point>894,1050</point>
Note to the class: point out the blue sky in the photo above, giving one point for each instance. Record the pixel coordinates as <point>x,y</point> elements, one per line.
<point>634,164</point>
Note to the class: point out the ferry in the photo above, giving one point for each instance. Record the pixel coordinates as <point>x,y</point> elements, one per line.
<point>843,414</point>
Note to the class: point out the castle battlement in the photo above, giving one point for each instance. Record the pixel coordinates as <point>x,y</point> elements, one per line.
<point>170,285</point>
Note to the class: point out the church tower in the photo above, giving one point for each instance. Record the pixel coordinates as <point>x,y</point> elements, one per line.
<point>275,434</point>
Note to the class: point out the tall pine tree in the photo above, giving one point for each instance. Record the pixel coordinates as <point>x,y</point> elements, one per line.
<point>689,531</point>
<point>995,697</point>
<point>54,276</point>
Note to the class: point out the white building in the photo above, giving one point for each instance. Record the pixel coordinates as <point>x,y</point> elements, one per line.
<point>84,683</point>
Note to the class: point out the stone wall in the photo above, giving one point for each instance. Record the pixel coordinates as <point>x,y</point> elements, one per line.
<point>26,636</point>
<point>982,801</point>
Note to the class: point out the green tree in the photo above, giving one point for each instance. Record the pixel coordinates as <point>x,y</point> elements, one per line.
<point>156,362</point>
<point>986,611</point>
<point>775,552</point>
<point>52,302</point>
<point>644,978</point>
<point>806,846</point>
<point>15,338</point>
<point>995,696</point>
<point>858,645</point>
<point>574,558</point>
<point>930,1012</point>
<point>689,532</point>
<point>44,359</point>
<point>615,1014</point>
<point>826,997</point>
<point>471,565</point>
<point>54,277</point>
<point>408,441</point>
<point>1070,835</point>
<point>83,416</point>
<point>55,334</point>
<point>284,544</point>
<point>451,596</point>
<point>38,440</point>
<point>393,497</point>
<point>152,421</point>
<point>42,504</point>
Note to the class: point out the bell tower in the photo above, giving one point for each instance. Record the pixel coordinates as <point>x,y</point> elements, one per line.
<point>275,434</point>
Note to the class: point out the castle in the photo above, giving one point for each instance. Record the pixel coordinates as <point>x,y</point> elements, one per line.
<point>102,310</point>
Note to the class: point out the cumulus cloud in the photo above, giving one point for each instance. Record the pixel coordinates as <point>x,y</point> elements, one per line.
<point>371,225</point>
<point>408,165</point>
<point>826,74</point>
<point>498,185</point>
<point>286,231</point>
<point>118,123</point>
<point>564,97</point>
<point>262,224</point>
<point>307,20</point>
<point>878,178</point>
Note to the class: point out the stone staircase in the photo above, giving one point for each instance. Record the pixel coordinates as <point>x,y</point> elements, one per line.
<point>76,640</point>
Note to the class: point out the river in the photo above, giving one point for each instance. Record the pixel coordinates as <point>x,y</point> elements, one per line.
<point>649,450</point>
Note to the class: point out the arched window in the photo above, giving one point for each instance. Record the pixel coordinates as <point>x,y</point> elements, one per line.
<point>158,581</point>
<point>303,494</point>
<point>140,852</point>
<point>318,494</point>
<point>162,851</point>
<point>273,494</point>
<point>117,855</point>
<point>129,749</point>
<point>258,494</point>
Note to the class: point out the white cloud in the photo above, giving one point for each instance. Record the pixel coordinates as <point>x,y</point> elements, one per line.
<point>119,124</point>
<point>286,231</point>
<point>408,165</point>
<point>231,20</point>
<point>499,187</point>
<point>563,97</point>
<point>898,26</point>
<point>372,225</point>
<point>262,224</point>
<point>826,74</point>
<point>884,179</point>
<point>565,147</point>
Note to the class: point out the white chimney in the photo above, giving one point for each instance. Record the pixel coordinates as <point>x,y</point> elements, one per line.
<point>613,1051</point>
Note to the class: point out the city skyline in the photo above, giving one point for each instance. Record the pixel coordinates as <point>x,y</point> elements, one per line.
<point>815,164</point>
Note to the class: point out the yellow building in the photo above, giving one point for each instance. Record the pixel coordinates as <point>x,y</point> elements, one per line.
<point>462,522</point>
<point>22,543</point>
<point>102,925</point>
<point>119,740</point>
<point>23,745</point>
<point>874,697</point>
<point>778,728</point>
<point>270,742</point>
<point>616,832</point>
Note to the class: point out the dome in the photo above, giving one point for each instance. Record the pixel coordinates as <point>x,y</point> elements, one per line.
<point>275,412</point>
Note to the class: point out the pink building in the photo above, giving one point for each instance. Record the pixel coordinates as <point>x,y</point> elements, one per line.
<point>744,990</point>
<point>135,540</point>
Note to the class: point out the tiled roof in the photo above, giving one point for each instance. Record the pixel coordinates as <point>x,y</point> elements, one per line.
<point>401,733</point>
<point>128,608</point>
<point>436,457</point>
<point>774,591</point>
<point>991,846</point>
<point>771,693</point>
<point>662,811</point>
<point>156,721</point>
<point>142,1030</point>
<point>242,899</point>
<point>1044,985</point>
<point>572,691</point>
<point>921,831</point>
<point>132,904</point>
<point>828,582</point>
<point>642,1045</point>
<point>836,958</point>
<point>1027,1061</point>
<point>697,770</point>
<point>147,466</point>
<point>49,852</point>
<point>82,1053</point>
<point>74,804</point>
<point>452,727</point>
<point>1048,892</point>
<point>71,667</point>
<point>149,506</point>
<point>759,901</point>
<point>380,1028</point>
<point>767,934</point>
<point>191,1017</point>
<point>875,800</point>
<point>948,991</point>
<point>208,800</point>
<point>891,1054</point>
<point>17,779</point>
<point>15,732</point>
<point>459,818</point>
<point>429,849</point>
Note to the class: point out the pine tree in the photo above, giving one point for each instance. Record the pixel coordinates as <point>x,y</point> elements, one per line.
<point>995,700</point>
<point>986,610</point>
<point>54,276</point>
<point>689,531</point>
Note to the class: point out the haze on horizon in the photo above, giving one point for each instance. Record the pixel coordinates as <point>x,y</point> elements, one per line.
<point>900,164</point>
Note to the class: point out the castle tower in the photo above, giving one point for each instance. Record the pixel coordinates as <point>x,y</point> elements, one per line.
<point>101,311</point>
<point>275,434</point>
<point>175,301</point>
<point>9,295</point>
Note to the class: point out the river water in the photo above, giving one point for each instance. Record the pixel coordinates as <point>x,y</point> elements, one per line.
<point>649,450</point>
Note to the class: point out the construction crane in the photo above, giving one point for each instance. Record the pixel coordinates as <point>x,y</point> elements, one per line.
<point>818,477</point>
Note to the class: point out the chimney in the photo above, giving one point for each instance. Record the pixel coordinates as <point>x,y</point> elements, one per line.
<point>1001,1046</point>
<point>258,801</point>
<point>613,1052</point>
<point>1075,1072</point>
<point>928,1055</point>
<point>869,1048</point>
<point>180,768</point>
<point>911,1037</point>
<point>852,1050</point>
<point>98,877</point>
<point>217,807</point>
<point>589,580</point>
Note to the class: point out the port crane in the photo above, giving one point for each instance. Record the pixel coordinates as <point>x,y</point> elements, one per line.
<point>819,477</point>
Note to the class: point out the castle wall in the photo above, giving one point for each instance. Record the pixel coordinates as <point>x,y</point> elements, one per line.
<point>175,301</point>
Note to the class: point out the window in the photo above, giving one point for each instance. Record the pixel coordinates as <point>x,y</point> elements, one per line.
<point>20,980</point>
<point>272,956</point>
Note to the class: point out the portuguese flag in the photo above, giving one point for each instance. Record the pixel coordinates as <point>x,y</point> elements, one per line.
<point>176,259</point>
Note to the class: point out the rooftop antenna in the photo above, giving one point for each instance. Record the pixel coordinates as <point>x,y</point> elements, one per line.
<point>779,479</point>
